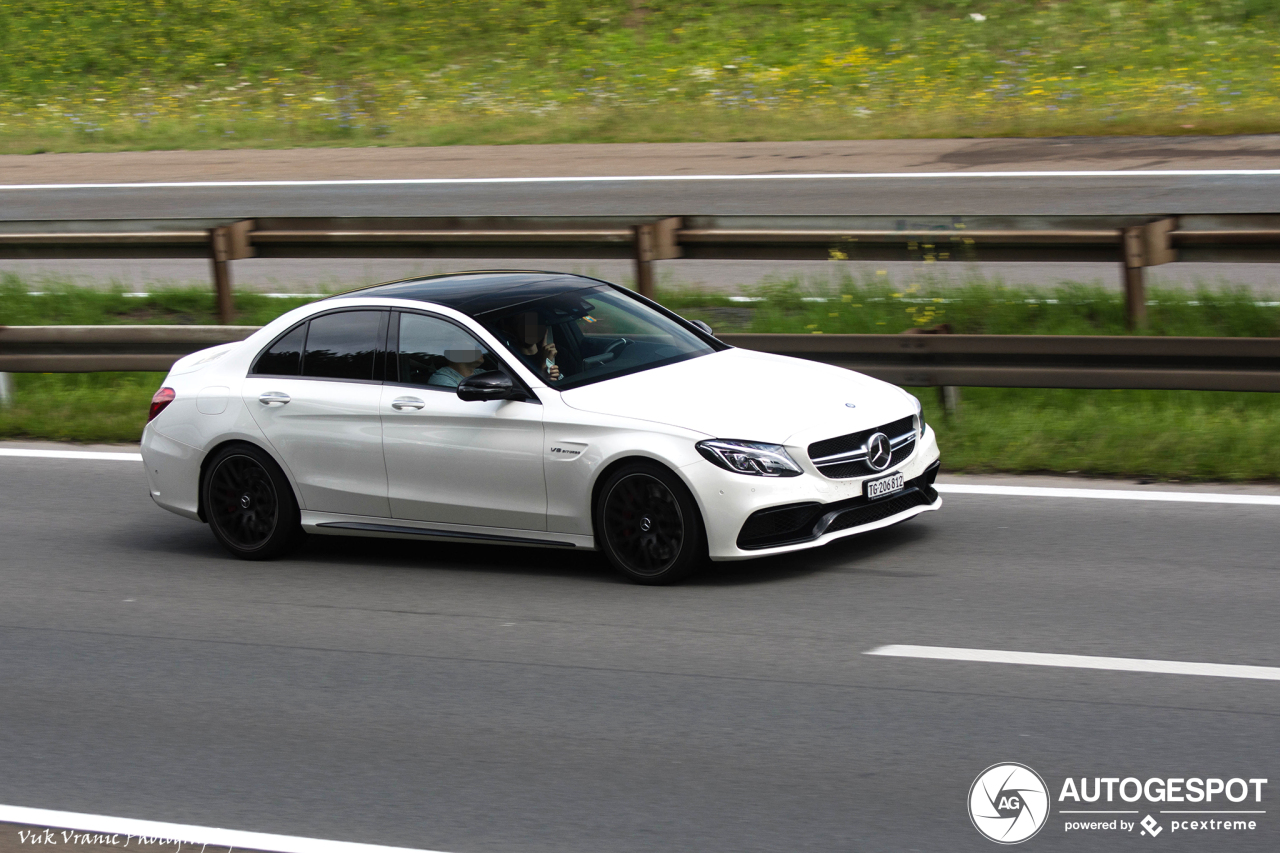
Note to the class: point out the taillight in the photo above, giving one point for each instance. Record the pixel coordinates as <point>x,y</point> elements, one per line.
<point>162,398</point>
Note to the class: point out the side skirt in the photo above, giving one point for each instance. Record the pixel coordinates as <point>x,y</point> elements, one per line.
<point>325,524</point>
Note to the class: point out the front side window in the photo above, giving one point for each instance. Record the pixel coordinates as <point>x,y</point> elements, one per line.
<point>584,336</point>
<point>342,345</point>
<point>435,353</point>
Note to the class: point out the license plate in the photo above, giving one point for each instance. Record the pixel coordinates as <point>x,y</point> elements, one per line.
<point>885,485</point>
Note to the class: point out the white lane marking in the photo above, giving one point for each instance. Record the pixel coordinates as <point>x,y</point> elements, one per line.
<point>102,824</point>
<point>1163,667</point>
<point>71,454</point>
<point>596,179</point>
<point>1109,494</point>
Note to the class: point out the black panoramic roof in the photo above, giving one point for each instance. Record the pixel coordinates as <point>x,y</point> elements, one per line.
<point>479,292</point>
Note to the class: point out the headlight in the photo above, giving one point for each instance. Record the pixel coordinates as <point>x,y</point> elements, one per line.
<point>750,457</point>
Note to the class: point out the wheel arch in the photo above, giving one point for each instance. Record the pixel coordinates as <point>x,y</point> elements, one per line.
<point>606,471</point>
<point>230,442</point>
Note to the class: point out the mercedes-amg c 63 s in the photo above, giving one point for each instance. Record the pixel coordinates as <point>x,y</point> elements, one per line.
<point>530,408</point>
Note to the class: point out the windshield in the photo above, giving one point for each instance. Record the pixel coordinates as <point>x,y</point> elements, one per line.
<point>584,336</point>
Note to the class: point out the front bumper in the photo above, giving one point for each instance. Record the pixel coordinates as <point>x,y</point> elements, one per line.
<point>748,517</point>
<point>794,524</point>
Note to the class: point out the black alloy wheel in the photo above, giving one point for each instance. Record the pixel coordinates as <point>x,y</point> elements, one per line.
<point>648,525</point>
<point>250,504</point>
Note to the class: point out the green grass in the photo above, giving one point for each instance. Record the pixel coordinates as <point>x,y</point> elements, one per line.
<point>974,305</point>
<point>84,407</point>
<point>1167,435</point>
<point>1182,435</point>
<point>61,303</point>
<point>833,304</point>
<point>117,74</point>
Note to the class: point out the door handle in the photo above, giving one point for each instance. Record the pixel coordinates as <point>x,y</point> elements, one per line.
<point>270,398</point>
<point>402,403</point>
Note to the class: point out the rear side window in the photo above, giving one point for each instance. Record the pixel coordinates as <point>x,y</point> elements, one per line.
<point>285,356</point>
<point>343,345</point>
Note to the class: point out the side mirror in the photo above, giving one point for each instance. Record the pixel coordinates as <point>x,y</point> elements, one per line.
<point>703,326</point>
<point>490,385</point>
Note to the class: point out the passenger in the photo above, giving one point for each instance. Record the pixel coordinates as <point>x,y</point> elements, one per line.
<point>461,364</point>
<point>532,339</point>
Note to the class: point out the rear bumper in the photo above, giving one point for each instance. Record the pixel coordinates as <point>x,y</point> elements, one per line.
<point>173,473</point>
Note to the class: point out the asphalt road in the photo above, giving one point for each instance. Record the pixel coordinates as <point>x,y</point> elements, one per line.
<point>471,699</point>
<point>1117,193</point>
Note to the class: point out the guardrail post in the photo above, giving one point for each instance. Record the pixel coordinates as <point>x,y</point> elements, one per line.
<point>1144,246</point>
<point>6,390</point>
<point>949,399</point>
<point>655,241</point>
<point>228,243</point>
<point>1135,291</point>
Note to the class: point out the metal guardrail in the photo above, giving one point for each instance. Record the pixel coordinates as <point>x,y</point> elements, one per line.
<point>97,349</point>
<point>1042,361</point>
<point>1014,361</point>
<point>1135,242</point>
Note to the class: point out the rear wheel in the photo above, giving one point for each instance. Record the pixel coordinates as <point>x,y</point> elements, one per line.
<point>648,524</point>
<point>250,504</point>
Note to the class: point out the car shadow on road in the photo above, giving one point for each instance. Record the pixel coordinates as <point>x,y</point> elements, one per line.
<point>890,552</point>
<point>194,542</point>
<point>868,554</point>
<point>453,556</point>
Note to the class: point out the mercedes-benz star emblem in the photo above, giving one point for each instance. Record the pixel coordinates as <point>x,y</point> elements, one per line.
<point>879,452</point>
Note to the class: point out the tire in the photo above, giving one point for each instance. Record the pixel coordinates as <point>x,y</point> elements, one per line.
<point>250,505</point>
<point>648,524</point>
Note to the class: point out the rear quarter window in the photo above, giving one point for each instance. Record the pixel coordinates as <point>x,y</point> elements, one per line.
<point>284,358</point>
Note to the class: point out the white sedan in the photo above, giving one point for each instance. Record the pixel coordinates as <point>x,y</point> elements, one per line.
<point>530,408</point>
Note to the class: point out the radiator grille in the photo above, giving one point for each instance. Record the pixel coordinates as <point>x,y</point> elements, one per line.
<point>844,456</point>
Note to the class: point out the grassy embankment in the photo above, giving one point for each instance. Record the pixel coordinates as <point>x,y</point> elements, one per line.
<point>117,74</point>
<point>1171,435</point>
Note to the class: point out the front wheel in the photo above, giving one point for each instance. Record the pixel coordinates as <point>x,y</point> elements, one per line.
<point>250,504</point>
<point>648,524</point>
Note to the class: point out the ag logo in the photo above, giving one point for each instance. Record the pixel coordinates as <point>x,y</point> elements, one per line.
<point>1008,803</point>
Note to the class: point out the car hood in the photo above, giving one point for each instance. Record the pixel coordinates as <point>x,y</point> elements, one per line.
<point>748,395</point>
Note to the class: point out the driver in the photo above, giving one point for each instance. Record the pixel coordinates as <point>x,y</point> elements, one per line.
<point>532,339</point>
<point>460,363</point>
